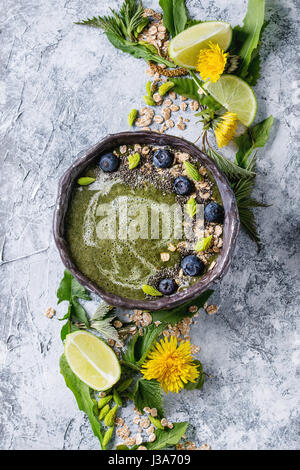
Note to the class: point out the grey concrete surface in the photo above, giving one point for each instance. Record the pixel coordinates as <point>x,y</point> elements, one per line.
<point>64,87</point>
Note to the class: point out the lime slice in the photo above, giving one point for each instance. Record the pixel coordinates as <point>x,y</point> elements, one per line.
<point>92,360</point>
<point>184,48</point>
<point>236,96</point>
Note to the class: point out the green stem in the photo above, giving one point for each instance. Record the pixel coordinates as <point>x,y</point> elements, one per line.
<point>197,81</point>
<point>130,365</point>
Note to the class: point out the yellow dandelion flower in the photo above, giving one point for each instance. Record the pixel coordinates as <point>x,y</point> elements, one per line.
<point>212,62</point>
<point>225,129</point>
<point>171,364</point>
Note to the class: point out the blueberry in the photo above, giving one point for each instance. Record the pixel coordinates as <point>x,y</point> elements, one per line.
<point>183,186</point>
<point>192,266</point>
<point>163,158</point>
<point>167,286</point>
<point>109,162</point>
<point>213,212</point>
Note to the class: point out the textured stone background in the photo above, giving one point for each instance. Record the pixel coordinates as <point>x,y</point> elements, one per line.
<point>63,87</point>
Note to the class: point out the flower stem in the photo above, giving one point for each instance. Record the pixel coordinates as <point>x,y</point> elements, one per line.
<point>197,81</point>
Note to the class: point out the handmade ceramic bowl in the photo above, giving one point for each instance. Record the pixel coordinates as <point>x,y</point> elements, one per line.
<point>230,228</point>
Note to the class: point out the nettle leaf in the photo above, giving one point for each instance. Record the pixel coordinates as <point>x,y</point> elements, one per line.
<point>176,314</point>
<point>231,169</point>
<point>148,393</point>
<point>174,15</point>
<point>167,437</point>
<point>203,244</point>
<point>186,87</point>
<point>192,171</point>
<point>254,137</point>
<point>246,38</point>
<point>82,394</point>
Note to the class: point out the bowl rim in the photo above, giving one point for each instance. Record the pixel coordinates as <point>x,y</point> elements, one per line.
<point>230,226</point>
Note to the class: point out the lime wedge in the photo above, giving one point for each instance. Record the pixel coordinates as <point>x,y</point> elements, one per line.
<point>92,360</point>
<point>236,96</point>
<point>184,48</point>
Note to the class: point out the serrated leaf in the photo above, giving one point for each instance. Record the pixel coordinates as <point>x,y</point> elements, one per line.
<point>165,87</point>
<point>203,244</point>
<point>133,160</point>
<point>82,395</point>
<point>231,169</point>
<point>192,171</point>
<point>101,322</point>
<point>191,207</point>
<point>85,180</point>
<point>176,314</point>
<point>148,393</point>
<point>132,117</point>
<point>186,87</point>
<point>253,138</point>
<point>168,437</point>
<point>149,290</point>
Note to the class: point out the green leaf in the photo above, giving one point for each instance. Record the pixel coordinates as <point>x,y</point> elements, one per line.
<point>149,290</point>
<point>70,290</point>
<point>137,50</point>
<point>246,38</point>
<point>129,355</point>
<point>174,15</point>
<point>78,291</point>
<point>82,394</point>
<point>200,380</point>
<point>168,437</point>
<point>78,313</point>
<point>186,87</point>
<point>231,170</point>
<point>192,171</point>
<point>176,314</point>
<point>101,321</point>
<point>203,244</point>
<point>144,343</point>
<point>191,207</point>
<point>254,137</point>
<point>134,160</point>
<point>85,181</point>
<point>64,291</point>
<point>66,329</point>
<point>148,393</point>
<point>132,117</point>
